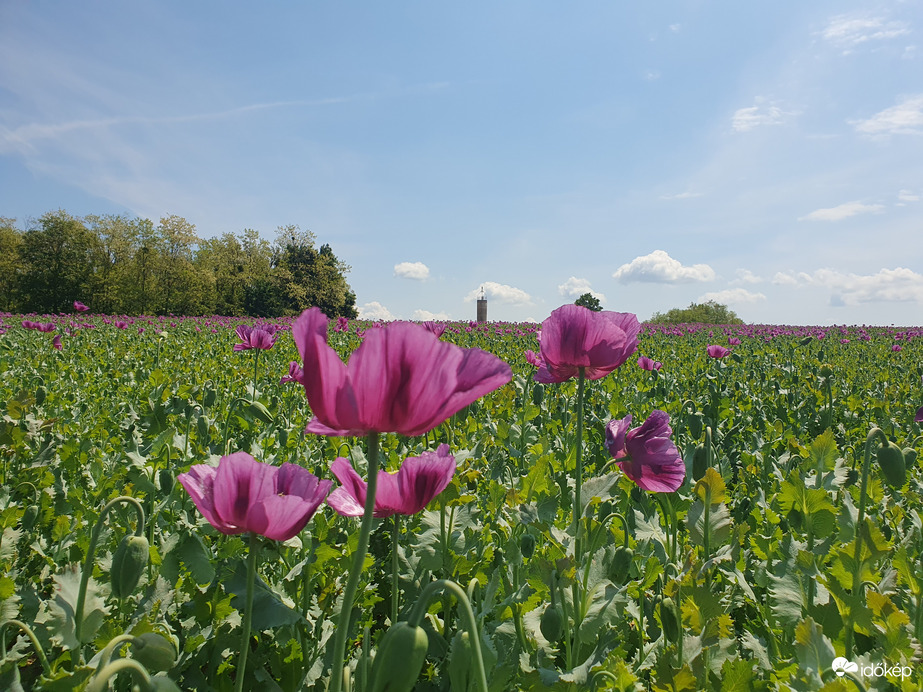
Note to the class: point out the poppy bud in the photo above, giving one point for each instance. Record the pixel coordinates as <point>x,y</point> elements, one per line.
<point>699,462</point>
<point>910,457</point>
<point>552,623</point>
<point>620,565</point>
<point>153,651</point>
<point>695,424</point>
<point>891,461</point>
<point>166,481</point>
<point>128,565</point>
<point>399,658</point>
<point>826,371</point>
<point>670,619</point>
<point>29,517</point>
<point>461,658</point>
<point>538,393</point>
<point>161,683</point>
<point>806,340</point>
<point>211,396</point>
<point>527,545</point>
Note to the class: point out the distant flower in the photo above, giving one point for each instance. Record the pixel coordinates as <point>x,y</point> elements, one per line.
<point>895,348</point>
<point>56,342</point>
<point>437,329</point>
<point>574,337</point>
<point>844,341</point>
<point>734,341</point>
<point>534,359</point>
<point>39,326</point>
<point>646,363</point>
<point>716,351</point>
<point>342,325</point>
<point>80,307</point>
<point>254,337</point>
<point>919,417</point>
<point>648,455</point>
<point>407,491</point>
<point>121,324</point>
<point>295,373</point>
<point>243,494</point>
<point>400,379</point>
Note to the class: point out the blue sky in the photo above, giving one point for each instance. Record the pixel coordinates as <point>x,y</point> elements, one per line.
<point>765,155</point>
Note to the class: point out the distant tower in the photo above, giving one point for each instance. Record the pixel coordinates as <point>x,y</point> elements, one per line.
<point>482,306</point>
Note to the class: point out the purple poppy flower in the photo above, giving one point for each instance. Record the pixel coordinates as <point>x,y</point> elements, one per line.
<point>437,329</point>
<point>575,337</point>
<point>919,417</point>
<point>715,351</point>
<point>254,337</point>
<point>295,373</point>
<point>646,363</point>
<point>400,379</point>
<point>80,307</point>
<point>649,457</point>
<point>243,494</point>
<point>407,491</point>
<point>895,348</point>
<point>734,341</point>
<point>56,342</point>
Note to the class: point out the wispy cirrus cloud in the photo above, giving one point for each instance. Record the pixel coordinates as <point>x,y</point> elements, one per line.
<point>659,267</point>
<point>843,211</point>
<point>760,115</point>
<point>904,118</point>
<point>852,30</point>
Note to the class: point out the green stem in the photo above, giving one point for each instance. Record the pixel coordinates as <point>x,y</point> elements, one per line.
<point>395,529</point>
<point>46,667</point>
<point>100,681</point>
<point>91,559</point>
<point>579,475</point>
<point>256,360</point>
<point>857,568</point>
<point>248,612</point>
<point>355,572</point>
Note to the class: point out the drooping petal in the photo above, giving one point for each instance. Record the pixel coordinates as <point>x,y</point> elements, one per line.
<point>345,504</point>
<point>350,481</point>
<point>615,436</point>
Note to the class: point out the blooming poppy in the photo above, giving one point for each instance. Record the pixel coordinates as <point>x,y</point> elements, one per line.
<point>646,363</point>
<point>575,337</point>
<point>734,341</point>
<point>295,373</point>
<point>407,491</point>
<point>648,455</point>
<point>56,342</point>
<point>919,417</point>
<point>715,351</point>
<point>80,307</point>
<point>243,494</point>
<point>254,337</point>
<point>437,329</point>
<point>400,379</point>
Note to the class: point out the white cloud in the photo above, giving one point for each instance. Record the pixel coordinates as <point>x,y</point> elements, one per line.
<point>427,316</point>
<point>412,270</point>
<point>841,212</point>
<point>746,119</point>
<point>501,293</point>
<point>659,267</point>
<point>784,279</point>
<point>745,276</point>
<point>732,296</point>
<point>908,196</point>
<point>851,31</point>
<point>682,195</point>
<point>888,285</point>
<point>906,118</point>
<point>651,75</point>
<point>374,311</point>
<point>574,288</point>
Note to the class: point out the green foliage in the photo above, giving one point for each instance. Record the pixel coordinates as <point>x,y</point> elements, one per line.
<point>588,300</point>
<point>708,312</point>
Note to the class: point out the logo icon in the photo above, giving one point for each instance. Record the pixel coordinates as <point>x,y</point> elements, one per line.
<point>841,666</point>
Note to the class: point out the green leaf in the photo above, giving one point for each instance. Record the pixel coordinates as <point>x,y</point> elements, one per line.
<point>815,652</point>
<point>822,452</point>
<point>737,676</point>
<point>268,609</point>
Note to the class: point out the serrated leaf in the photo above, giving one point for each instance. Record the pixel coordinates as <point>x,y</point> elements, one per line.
<point>58,613</point>
<point>737,676</point>
<point>822,452</point>
<point>787,598</point>
<point>815,652</point>
<point>711,487</point>
<point>719,524</point>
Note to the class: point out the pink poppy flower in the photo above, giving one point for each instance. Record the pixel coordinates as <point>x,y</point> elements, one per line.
<point>575,337</point>
<point>254,337</point>
<point>295,373</point>
<point>646,363</point>
<point>400,379</point>
<point>534,359</point>
<point>243,494</point>
<point>121,324</point>
<point>407,491</point>
<point>437,329</point>
<point>649,456</point>
<point>80,307</point>
<point>919,417</point>
<point>342,325</point>
<point>56,342</point>
<point>715,351</point>
<point>895,348</point>
<point>734,341</point>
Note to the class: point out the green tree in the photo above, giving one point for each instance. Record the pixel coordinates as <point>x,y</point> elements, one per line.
<point>588,300</point>
<point>60,259</point>
<point>10,264</point>
<point>235,263</point>
<point>709,312</point>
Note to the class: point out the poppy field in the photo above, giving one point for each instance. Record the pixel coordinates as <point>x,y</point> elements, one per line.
<point>590,503</point>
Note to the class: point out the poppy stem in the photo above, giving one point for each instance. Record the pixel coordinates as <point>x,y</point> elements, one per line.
<point>248,612</point>
<point>355,572</point>
<point>578,482</point>
<point>395,529</point>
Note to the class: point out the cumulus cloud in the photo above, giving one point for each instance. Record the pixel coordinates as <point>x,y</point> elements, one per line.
<point>841,212</point>
<point>888,285</point>
<point>412,270</point>
<point>745,119</point>
<point>659,267</point>
<point>732,296</point>
<point>501,293</point>
<point>374,311</point>
<point>574,288</point>
<point>745,276</point>
<point>784,279</point>
<point>850,31</point>
<point>906,118</point>
<point>427,316</point>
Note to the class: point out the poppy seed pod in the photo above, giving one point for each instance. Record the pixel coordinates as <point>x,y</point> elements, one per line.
<point>527,545</point>
<point>154,651</point>
<point>128,565</point>
<point>552,623</point>
<point>620,565</point>
<point>399,658</point>
<point>699,462</point>
<point>670,619</point>
<point>891,462</point>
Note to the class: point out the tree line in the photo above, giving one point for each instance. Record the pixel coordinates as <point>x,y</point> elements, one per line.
<point>129,266</point>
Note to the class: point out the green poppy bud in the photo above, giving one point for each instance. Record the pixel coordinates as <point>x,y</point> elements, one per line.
<point>161,683</point>
<point>527,545</point>
<point>128,564</point>
<point>620,565</point>
<point>538,393</point>
<point>910,457</point>
<point>699,462</point>
<point>154,651</point>
<point>29,517</point>
<point>695,423</point>
<point>211,396</point>
<point>891,462</point>
<point>670,619</point>
<point>166,481</point>
<point>399,658</point>
<point>552,623</point>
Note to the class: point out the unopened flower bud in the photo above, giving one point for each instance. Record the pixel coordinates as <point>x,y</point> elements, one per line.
<point>128,565</point>
<point>891,462</point>
<point>154,651</point>
<point>399,658</point>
